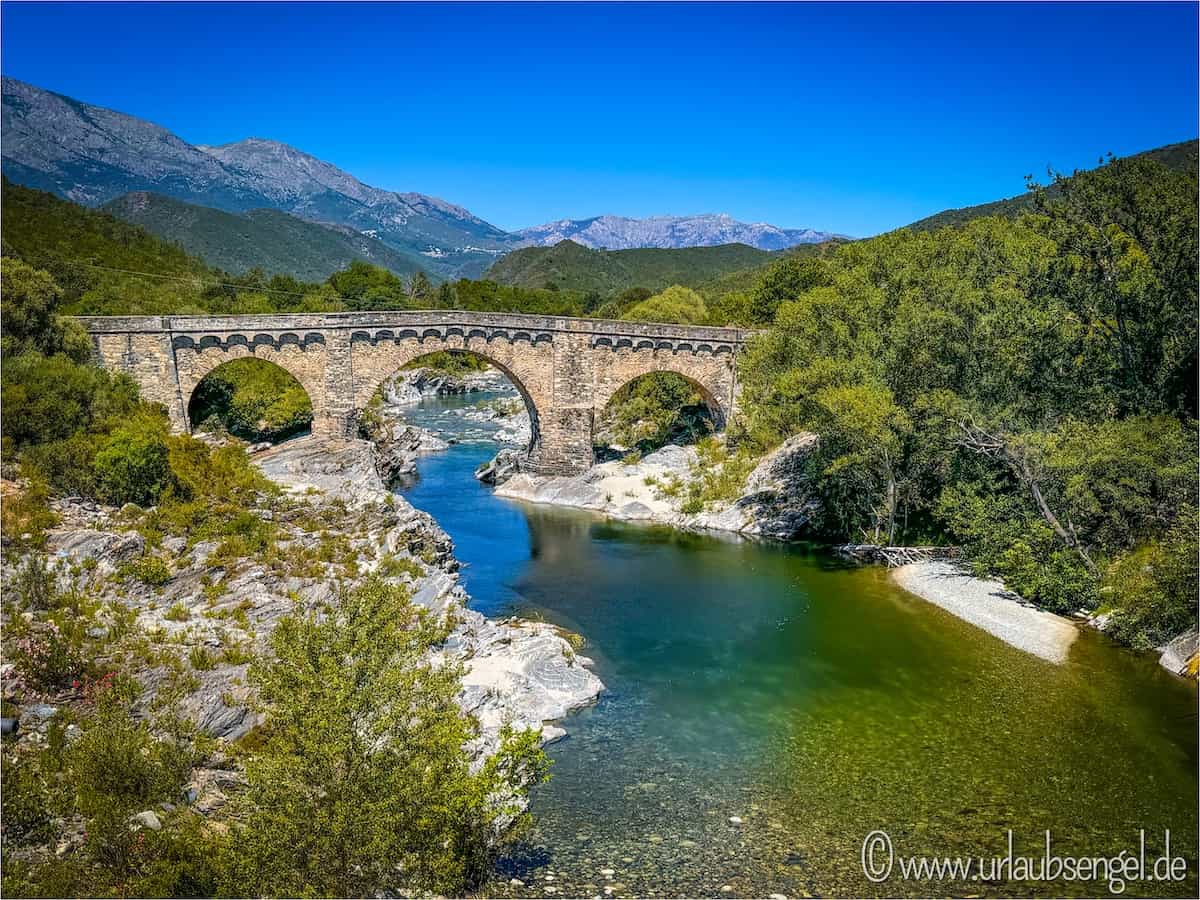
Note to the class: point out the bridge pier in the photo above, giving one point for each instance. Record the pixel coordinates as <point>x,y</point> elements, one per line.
<point>565,444</point>
<point>566,369</point>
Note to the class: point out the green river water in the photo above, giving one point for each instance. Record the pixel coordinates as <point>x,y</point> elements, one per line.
<point>813,701</point>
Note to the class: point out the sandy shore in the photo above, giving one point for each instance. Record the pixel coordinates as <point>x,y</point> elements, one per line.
<point>988,605</point>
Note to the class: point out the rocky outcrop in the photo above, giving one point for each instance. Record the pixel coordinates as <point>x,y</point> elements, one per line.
<point>219,612</point>
<point>513,425</point>
<point>1182,654</point>
<point>503,466</point>
<point>398,446</point>
<point>407,386</point>
<point>777,502</point>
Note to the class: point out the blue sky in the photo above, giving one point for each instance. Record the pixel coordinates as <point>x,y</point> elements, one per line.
<point>851,118</point>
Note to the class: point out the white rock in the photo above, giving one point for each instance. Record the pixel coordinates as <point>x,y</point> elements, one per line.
<point>148,819</point>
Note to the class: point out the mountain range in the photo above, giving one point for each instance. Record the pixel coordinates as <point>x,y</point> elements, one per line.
<point>261,203</point>
<point>265,239</point>
<point>621,233</point>
<point>95,156</point>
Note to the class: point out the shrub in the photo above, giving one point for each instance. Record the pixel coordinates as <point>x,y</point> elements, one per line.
<point>27,816</point>
<point>25,516</point>
<point>149,570</point>
<point>46,658</point>
<point>30,315</point>
<point>132,464</point>
<point>117,768</point>
<point>252,399</point>
<point>201,659</point>
<point>34,584</point>
<point>1152,590</point>
<point>393,565</point>
<point>177,613</point>
<point>50,398</point>
<point>391,718</point>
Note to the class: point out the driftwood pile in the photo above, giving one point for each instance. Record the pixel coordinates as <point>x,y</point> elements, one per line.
<point>896,556</point>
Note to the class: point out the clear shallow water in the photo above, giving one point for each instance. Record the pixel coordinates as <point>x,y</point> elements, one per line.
<point>813,701</point>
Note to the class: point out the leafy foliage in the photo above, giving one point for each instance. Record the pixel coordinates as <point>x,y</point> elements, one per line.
<point>676,304</point>
<point>132,464</point>
<point>1027,388</point>
<point>364,784</point>
<point>252,399</point>
<point>654,410</point>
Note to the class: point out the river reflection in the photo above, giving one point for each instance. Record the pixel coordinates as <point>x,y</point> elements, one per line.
<point>812,702</point>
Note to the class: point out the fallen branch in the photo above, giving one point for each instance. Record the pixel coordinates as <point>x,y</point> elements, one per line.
<point>896,556</point>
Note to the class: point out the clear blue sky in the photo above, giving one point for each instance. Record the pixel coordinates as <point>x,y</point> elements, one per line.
<point>852,118</point>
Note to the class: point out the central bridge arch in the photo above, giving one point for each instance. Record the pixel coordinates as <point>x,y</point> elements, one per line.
<point>406,357</point>
<point>565,369</point>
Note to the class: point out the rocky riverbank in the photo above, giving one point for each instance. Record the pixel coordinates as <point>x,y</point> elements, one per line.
<point>200,610</point>
<point>987,604</point>
<point>526,673</point>
<point>775,499</point>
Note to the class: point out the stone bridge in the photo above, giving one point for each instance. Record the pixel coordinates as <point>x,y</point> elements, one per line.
<point>566,369</point>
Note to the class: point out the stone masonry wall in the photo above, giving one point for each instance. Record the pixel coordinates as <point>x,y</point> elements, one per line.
<point>566,369</point>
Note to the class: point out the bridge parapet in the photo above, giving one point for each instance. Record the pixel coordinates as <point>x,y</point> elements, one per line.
<point>566,369</point>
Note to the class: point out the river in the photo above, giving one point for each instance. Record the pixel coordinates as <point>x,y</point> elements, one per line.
<point>768,707</point>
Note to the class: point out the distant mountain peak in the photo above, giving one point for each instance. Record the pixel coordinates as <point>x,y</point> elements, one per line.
<point>92,155</point>
<point>612,232</point>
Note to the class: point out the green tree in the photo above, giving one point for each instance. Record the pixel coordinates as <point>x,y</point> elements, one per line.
<point>1127,270</point>
<point>674,304</point>
<point>1153,588</point>
<point>252,399</point>
<point>786,280</point>
<point>132,464</point>
<point>654,410</point>
<point>420,289</point>
<point>29,315</point>
<point>364,785</point>
<point>51,398</point>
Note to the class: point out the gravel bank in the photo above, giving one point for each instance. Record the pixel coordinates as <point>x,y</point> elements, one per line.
<point>988,605</point>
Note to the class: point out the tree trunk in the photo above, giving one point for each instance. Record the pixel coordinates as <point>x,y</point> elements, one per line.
<point>979,441</point>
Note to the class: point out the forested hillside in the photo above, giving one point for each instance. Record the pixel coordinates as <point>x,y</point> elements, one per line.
<point>265,239</point>
<point>573,267</point>
<point>1024,388</point>
<point>1181,156</point>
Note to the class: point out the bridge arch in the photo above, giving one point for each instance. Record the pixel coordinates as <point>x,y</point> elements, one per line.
<point>677,408</point>
<point>716,392</point>
<point>513,378</point>
<point>299,360</point>
<point>257,400</point>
